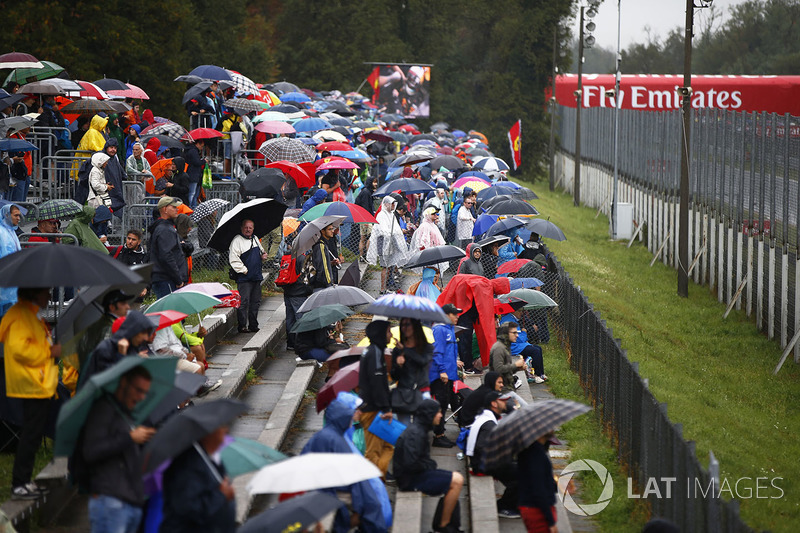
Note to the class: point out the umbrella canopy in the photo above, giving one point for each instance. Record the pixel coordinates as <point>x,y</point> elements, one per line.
<point>50,86</point>
<point>165,140</point>
<point>186,428</point>
<point>295,514</point>
<point>19,60</point>
<point>347,352</point>
<point>16,145</point>
<point>170,129</point>
<point>535,299</point>
<point>486,204</point>
<point>243,84</point>
<point>276,116</point>
<point>266,216</point>
<point>522,428</point>
<point>286,149</point>
<point>295,96</point>
<point>332,146</point>
<point>330,136</point>
<point>132,91</point>
<point>211,72</point>
<point>28,75</point>
<point>450,162</point>
<point>210,288</point>
<point>62,266</point>
<point>405,185</point>
<point>353,213</point>
<point>311,233</point>
<point>354,154</point>
<point>186,385</point>
<point>512,266</point>
<point>544,228</point>
<point>508,305</point>
<point>344,380</point>
<point>378,135</point>
<point>286,87</point>
<point>274,127</point>
<point>338,294</point>
<point>108,84</point>
<point>243,104</point>
<point>286,108</point>
<point>167,318</point>
<point>483,223</point>
<point>490,164</point>
<point>201,133</point>
<point>501,226</point>
<point>94,106</point>
<point>412,158</point>
<point>336,164</point>
<point>245,455</point>
<point>311,124</point>
<point>407,306</point>
<point>195,91</point>
<point>435,256</point>
<point>512,207</point>
<point>90,90</point>
<point>207,208</point>
<point>300,176</point>
<point>321,316</point>
<point>468,177</point>
<point>263,183</point>
<point>494,191</point>
<point>351,276</point>
<point>312,471</point>
<point>72,415</point>
<point>185,301</point>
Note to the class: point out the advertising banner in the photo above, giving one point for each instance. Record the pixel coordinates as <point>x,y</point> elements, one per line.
<point>401,89</point>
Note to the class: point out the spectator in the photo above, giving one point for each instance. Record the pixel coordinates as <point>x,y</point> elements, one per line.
<point>325,259</point>
<point>510,250</point>
<point>132,252</point>
<point>194,342</point>
<point>31,375</point>
<point>535,250</point>
<point>110,453</point>
<point>183,224</point>
<point>471,264</point>
<point>495,406</point>
<point>444,367</point>
<point>195,162</point>
<point>181,186</point>
<point>500,355</point>
<point>245,256</point>
<point>439,202</point>
<point>136,165</point>
<point>115,132</point>
<point>474,403</point>
<point>166,344</point>
<point>537,487</point>
<point>294,294</point>
<point>411,360</point>
<point>21,169</point>
<point>428,234</point>
<point>132,114</point>
<point>114,176</point>
<point>100,223</point>
<point>387,245</point>
<point>94,140</point>
<point>530,353</point>
<point>317,198</point>
<point>151,150</point>
<point>373,387</point>
<point>50,225</point>
<point>428,286</point>
<point>99,188</point>
<point>365,200</point>
<point>80,227</point>
<point>319,344</point>
<point>78,135</point>
<point>131,139</point>
<point>170,271</point>
<point>10,216</point>
<point>415,470</point>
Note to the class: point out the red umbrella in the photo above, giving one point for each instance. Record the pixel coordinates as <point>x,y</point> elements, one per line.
<point>408,128</point>
<point>90,90</point>
<point>332,146</point>
<point>275,127</point>
<point>512,266</point>
<point>167,318</point>
<point>379,135</point>
<point>201,133</point>
<point>19,60</point>
<point>337,164</point>
<point>299,174</point>
<point>459,385</point>
<point>346,379</point>
<point>311,170</point>
<point>504,308</point>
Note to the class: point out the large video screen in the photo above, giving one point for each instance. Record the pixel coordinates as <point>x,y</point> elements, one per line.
<point>402,89</point>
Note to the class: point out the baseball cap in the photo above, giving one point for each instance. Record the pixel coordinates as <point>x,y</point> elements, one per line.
<point>451,309</point>
<point>494,395</point>
<point>168,200</point>
<point>115,296</point>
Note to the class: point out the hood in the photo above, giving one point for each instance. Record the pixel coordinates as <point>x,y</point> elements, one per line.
<point>502,336</point>
<point>4,212</point>
<point>339,416</point>
<point>472,248</point>
<point>180,164</point>
<point>428,274</point>
<point>98,123</point>
<point>148,116</point>
<point>466,192</point>
<point>153,144</point>
<point>426,411</point>
<point>319,196</point>
<point>490,379</point>
<point>87,215</point>
<point>112,141</point>
<point>135,323</point>
<point>99,159</point>
<point>371,184</point>
<point>376,333</point>
<point>137,128</point>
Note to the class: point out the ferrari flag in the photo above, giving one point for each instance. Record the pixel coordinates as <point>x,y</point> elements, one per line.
<point>374,81</point>
<point>515,142</point>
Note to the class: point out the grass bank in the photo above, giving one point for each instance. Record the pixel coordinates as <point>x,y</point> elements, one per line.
<point>714,374</point>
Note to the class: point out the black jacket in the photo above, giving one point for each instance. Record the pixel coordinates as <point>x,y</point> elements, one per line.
<point>321,256</point>
<point>373,379</point>
<point>307,340</point>
<point>473,404</point>
<point>131,257</point>
<point>412,451</point>
<point>115,175</point>
<point>110,456</point>
<point>192,499</point>
<point>180,181</point>
<point>169,263</point>
<point>537,488</point>
<point>192,157</point>
<point>365,199</point>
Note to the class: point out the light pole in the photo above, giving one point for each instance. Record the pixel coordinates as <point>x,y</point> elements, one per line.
<point>588,40</point>
<point>616,122</point>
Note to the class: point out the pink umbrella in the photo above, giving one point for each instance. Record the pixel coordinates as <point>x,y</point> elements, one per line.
<point>461,181</point>
<point>337,164</point>
<point>131,92</point>
<point>274,127</point>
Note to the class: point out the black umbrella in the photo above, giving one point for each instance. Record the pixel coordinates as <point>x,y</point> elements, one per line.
<point>351,276</point>
<point>486,204</point>
<point>512,207</point>
<point>190,78</point>
<point>60,265</point>
<point>296,514</point>
<point>284,108</point>
<point>195,91</point>
<point>450,162</point>
<point>412,158</point>
<point>266,215</point>
<point>376,135</point>
<point>406,185</point>
<point>110,84</point>
<point>286,87</point>
<point>435,256</point>
<point>263,183</point>
<point>165,140</point>
<point>186,386</point>
<point>546,229</point>
<point>492,192</point>
<point>186,428</point>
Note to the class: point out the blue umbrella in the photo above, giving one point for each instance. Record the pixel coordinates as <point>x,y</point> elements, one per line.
<point>504,225</point>
<point>483,223</point>
<point>477,174</point>
<point>16,145</point>
<point>294,97</point>
<point>507,185</point>
<point>407,306</point>
<point>308,140</point>
<point>211,72</point>
<point>459,133</point>
<point>355,154</point>
<point>406,185</point>
<point>311,124</point>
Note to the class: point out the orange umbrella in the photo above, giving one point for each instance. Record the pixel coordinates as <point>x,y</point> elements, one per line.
<point>159,169</point>
<point>290,225</point>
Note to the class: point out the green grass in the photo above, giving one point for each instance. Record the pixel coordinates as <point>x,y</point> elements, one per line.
<point>43,456</point>
<point>714,374</point>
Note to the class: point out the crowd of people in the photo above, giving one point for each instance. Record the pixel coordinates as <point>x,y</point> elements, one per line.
<point>423,361</point>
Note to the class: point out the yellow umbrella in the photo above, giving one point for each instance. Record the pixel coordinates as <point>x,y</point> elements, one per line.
<point>290,225</point>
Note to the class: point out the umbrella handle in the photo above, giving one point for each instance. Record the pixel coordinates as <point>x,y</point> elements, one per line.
<point>452,414</point>
<point>206,459</point>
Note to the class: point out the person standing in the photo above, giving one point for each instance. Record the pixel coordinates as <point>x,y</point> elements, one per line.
<point>444,367</point>
<point>114,174</point>
<point>465,222</point>
<point>373,388</point>
<point>194,170</point>
<point>365,200</point>
<point>10,216</point>
<point>32,375</point>
<point>537,487</point>
<point>325,260</point>
<point>245,256</point>
<point>110,455</point>
<point>411,360</point>
<point>170,271</point>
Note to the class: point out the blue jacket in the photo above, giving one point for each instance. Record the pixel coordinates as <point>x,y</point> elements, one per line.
<point>510,251</point>
<point>522,338</point>
<point>445,352</point>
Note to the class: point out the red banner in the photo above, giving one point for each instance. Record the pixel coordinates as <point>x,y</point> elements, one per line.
<point>515,143</point>
<point>773,94</point>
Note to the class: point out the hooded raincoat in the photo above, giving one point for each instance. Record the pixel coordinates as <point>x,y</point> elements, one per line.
<point>98,187</point>
<point>471,264</point>
<point>30,371</point>
<point>79,226</point>
<point>387,244</point>
<point>115,175</point>
<point>9,243</point>
<point>94,139</point>
<point>426,288</point>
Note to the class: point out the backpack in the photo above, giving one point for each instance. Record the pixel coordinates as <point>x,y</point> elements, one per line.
<point>82,188</point>
<point>287,273</point>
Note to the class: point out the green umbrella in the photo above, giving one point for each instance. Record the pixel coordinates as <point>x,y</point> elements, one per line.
<point>187,302</point>
<point>245,455</point>
<point>29,75</point>
<point>73,414</point>
<point>535,299</point>
<point>321,316</point>
<point>59,208</point>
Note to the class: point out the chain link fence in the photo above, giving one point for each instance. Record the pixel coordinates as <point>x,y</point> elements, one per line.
<point>744,198</point>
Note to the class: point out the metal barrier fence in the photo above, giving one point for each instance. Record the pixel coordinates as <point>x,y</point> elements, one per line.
<point>649,445</point>
<point>744,199</point>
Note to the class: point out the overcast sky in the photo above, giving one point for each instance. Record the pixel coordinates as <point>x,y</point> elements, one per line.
<point>660,15</point>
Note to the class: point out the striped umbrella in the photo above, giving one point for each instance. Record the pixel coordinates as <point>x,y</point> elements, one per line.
<point>170,129</point>
<point>244,85</point>
<point>59,209</point>
<point>286,149</point>
<point>490,163</point>
<point>243,104</point>
<point>353,213</point>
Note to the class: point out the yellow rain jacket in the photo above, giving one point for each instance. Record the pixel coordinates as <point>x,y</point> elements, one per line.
<point>30,371</point>
<point>94,140</point>
<point>396,335</point>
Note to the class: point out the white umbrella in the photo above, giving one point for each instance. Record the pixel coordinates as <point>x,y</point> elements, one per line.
<point>339,294</point>
<point>312,471</point>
